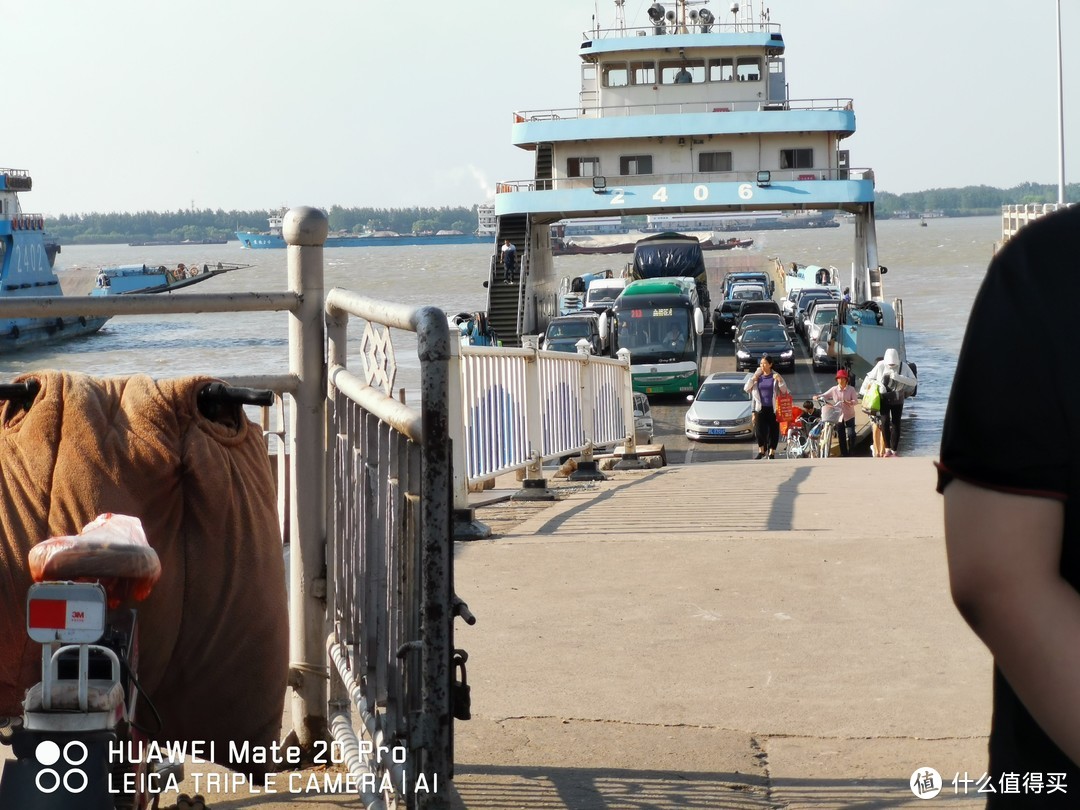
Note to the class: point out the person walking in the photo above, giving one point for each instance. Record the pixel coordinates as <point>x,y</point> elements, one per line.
<point>844,397</point>
<point>509,260</point>
<point>764,386</point>
<point>1012,511</point>
<point>897,382</point>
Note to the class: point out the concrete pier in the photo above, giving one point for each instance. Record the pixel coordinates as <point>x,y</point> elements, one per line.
<point>749,634</point>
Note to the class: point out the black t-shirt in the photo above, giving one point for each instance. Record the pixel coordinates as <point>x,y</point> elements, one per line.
<point>1020,344</point>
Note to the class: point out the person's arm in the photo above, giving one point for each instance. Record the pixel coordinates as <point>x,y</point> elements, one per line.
<point>1004,554</point>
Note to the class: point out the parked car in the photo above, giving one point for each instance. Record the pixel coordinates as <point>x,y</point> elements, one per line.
<point>643,421</point>
<point>721,409</point>
<point>756,307</point>
<point>819,350</point>
<point>758,340</point>
<point>803,301</point>
<point>723,317</point>
<point>819,313</point>
<point>758,319</point>
<point>564,332</point>
<point>743,276</point>
<point>602,293</point>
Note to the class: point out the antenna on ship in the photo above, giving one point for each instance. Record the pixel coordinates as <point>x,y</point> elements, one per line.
<point>620,16</point>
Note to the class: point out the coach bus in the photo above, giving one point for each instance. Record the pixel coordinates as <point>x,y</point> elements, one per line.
<point>660,322</point>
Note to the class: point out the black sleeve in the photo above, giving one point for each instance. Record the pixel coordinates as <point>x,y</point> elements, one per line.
<point>1007,425</point>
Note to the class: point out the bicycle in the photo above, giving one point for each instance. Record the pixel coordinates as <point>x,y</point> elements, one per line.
<point>803,441</point>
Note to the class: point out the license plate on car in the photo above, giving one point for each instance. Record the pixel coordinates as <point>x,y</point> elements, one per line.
<point>717,431</point>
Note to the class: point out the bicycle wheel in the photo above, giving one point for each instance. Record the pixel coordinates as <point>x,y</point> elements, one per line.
<point>824,448</point>
<point>793,448</point>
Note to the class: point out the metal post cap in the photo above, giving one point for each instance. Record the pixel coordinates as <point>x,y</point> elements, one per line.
<point>305,226</point>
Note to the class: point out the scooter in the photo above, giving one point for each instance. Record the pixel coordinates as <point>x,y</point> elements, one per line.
<point>79,743</point>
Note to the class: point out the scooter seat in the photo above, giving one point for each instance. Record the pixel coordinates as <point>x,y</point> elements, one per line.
<point>101,696</point>
<point>127,570</point>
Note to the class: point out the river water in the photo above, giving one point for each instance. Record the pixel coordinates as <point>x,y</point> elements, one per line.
<point>936,270</point>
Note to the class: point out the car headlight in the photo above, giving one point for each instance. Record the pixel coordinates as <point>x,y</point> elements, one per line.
<point>787,354</point>
<point>742,355</point>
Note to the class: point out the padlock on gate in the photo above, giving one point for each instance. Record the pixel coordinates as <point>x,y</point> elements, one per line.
<point>461,699</point>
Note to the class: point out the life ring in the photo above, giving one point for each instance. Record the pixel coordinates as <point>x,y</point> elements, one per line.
<point>14,223</point>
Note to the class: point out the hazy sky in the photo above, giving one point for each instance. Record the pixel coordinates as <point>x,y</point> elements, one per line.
<point>130,105</point>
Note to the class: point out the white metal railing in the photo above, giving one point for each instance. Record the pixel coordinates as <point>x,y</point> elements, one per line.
<point>1015,217</point>
<point>521,407</point>
<point>616,181</point>
<point>681,108</point>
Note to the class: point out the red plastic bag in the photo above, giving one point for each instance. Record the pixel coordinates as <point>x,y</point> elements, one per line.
<point>111,549</point>
<point>783,408</point>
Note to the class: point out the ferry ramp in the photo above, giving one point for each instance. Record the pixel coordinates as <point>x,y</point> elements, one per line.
<point>731,635</point>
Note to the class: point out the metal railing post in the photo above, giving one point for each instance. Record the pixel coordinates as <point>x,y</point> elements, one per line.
<point>305,231</point>
<point>587,469</point>
<point>534,486</point>
<point>466,526</point>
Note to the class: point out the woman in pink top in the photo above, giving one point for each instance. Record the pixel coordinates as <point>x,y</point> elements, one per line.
<point>844,397</point>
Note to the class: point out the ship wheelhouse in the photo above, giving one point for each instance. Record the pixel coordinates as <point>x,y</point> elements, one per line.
<point>687,116</point>
<point>678,110</point>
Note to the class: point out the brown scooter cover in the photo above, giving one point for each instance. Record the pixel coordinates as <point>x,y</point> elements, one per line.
<point>214,632</point>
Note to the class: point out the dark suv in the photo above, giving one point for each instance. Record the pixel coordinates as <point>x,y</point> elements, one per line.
<point>563,333</point>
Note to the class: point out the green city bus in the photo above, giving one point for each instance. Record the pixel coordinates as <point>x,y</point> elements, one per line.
<point>660,323</point>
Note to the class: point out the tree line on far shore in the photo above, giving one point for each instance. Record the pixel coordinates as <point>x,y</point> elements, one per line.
<point>197,225</point>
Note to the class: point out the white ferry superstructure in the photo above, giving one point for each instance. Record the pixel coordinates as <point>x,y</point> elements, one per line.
<point>687,115</point>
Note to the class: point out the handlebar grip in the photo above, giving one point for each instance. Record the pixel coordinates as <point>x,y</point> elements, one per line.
<point>221,394</point>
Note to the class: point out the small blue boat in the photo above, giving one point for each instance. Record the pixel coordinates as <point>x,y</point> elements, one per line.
<point>144,278</point>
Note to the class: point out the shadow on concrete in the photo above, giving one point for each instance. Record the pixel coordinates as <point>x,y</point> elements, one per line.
<point>483,787</point>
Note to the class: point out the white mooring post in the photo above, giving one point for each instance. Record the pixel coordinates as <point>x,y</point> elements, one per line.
<point>305,231</point>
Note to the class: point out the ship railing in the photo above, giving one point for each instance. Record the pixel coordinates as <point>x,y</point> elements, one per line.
<point>776,176</point>
<point>682,108</point>
<point>746,27</point>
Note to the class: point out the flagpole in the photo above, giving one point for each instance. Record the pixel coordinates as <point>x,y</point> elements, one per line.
<point>1061,115</point>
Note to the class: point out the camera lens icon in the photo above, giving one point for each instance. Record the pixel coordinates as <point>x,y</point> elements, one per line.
<point>74,778</point>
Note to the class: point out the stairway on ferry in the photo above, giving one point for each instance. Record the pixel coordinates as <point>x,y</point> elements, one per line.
<point>504,300</point>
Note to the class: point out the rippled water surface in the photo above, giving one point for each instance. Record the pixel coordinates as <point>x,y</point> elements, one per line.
<point>935,269</point>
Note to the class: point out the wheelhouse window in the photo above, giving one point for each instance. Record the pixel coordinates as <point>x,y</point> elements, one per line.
<point>796,158</point>
<point>691,71</point>
<point>582,167</point>
<point>721,70</point>
<point>748,68</point>
<point>635,164</point>
<point>643,72</point>
<point>616,75</point>
<point>714,161</point>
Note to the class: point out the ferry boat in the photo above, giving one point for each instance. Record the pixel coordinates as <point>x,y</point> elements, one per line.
<point>272,238</point>
<point>684,114</point>
<point>26,270</point>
